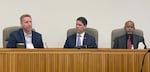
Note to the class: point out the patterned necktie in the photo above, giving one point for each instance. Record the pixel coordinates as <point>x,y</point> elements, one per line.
<point>129,45</point>
<point>78,41</point>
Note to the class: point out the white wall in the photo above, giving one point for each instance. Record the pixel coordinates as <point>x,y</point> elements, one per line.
<point>52,18</point>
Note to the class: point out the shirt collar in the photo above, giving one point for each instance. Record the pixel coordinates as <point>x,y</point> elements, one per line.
<point>82,34</point>
<point>25,34</point>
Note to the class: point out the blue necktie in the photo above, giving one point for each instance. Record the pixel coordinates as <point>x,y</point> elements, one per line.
<point>78,41</point>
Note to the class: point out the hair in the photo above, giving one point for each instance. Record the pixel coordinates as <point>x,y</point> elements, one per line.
<point>24,15</point>
<point>83,20</point>
<point>128,22</point>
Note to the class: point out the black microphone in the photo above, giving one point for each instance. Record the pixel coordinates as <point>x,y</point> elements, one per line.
<point>80,47</point>
<point>144,59</point>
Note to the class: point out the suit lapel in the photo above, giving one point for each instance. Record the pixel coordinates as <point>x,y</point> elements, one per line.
<point>33,39</point>
<point>22,37</point>
<point>124,42</point>
<point>134,42</point>
<point>74,40</point>
<point>85,39</point>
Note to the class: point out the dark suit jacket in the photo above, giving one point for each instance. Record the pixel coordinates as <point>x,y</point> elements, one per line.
<point>88,41</point>
<point>18,37</point>
<point>121,42</point>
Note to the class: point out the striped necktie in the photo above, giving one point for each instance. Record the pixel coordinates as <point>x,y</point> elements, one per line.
<point>78,41</point>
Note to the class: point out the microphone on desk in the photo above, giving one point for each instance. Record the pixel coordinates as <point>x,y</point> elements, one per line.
<point>144,59</point>
<point>81,47</point>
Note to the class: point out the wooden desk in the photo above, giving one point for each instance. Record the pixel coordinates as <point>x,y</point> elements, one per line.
<point>72,60</point>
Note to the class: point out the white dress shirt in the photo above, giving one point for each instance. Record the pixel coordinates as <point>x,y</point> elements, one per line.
<point>81,38</point>
<point>28,40</point>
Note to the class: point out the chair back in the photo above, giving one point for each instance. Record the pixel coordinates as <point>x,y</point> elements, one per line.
<point>119,32</point>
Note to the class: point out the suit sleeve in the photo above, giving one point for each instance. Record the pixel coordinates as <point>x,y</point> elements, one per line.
<point>91,42</point>
<point>37,40</point>
<point>94,45</point>
<point>66,44</point>
<point>11,41</point>
<point>140,39</point>
<point>115,46</point>
<point>41,42</point>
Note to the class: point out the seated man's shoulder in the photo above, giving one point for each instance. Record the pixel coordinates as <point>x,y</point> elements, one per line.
<point>90,36</point>
<point>36,33</point>
<point>139,37</point>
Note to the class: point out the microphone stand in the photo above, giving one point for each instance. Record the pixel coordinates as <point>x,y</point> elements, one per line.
<point>144,59</point>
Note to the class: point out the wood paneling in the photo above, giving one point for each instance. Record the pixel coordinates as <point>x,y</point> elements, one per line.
<point>4,62</point>
<point>28,62</point>
<point>73,60</point>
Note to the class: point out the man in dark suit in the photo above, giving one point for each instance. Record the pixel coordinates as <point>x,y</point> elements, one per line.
<point>80,39</point>
<point>129,40</point>
<point>25,36</point>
